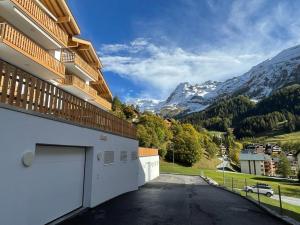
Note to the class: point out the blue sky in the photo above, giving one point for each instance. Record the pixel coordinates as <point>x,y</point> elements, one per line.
<point>150,46</point>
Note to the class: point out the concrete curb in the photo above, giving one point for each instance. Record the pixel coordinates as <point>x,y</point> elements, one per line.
<point>285,219</point>
<point>179,174</point>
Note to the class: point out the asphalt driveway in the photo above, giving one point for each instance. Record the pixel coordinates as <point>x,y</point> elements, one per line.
<point>175,200</point>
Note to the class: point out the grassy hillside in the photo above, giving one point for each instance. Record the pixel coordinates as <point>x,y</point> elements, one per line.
<point>291,137</point>
<point>204,163</point>
<point>277,137</point>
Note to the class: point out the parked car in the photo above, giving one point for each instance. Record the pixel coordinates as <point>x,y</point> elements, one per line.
<point>261,188</point>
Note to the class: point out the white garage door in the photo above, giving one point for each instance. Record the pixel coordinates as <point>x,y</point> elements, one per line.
<point>58,177</point>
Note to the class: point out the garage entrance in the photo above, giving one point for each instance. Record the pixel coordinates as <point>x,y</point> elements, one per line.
<point>58,182</point>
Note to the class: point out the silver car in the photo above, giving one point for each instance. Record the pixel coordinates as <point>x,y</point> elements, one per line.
<point>261,188</point>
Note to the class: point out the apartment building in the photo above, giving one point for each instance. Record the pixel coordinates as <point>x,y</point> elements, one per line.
<point>61,148</point>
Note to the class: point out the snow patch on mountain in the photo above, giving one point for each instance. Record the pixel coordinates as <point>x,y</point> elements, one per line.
<point>259,82</point>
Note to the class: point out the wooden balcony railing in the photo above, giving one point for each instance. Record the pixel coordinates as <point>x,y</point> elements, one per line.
<point>71,57</point>
<point>77,82</point>
<point>24,45</point>
<point>147,152</point>
<point>103,102</point>
<point>22,90</point>
<point>43,19</point>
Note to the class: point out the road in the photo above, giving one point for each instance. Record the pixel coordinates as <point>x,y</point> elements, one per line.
<point>175,200</point>
<point>290,200</point>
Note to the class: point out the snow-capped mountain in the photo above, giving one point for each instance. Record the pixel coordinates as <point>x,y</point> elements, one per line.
<point>150,105</point>
<point>257,83</point>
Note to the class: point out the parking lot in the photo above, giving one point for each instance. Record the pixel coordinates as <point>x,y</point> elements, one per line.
<point>175,200</point>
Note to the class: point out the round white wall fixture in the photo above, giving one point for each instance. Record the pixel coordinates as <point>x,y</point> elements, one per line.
<point>99,155</point>
<point>28,158</point>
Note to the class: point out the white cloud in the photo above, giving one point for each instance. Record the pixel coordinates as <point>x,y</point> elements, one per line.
<point>247,39</point>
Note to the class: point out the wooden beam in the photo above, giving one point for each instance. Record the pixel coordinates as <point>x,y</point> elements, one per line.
<point>96,65</point>
<point>72,44</point>
<point>63,19</point>
<point>83,48</point>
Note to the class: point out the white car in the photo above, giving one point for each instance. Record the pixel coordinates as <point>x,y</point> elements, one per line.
<point>261,188</point>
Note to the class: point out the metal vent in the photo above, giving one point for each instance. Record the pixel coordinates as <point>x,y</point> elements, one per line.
<point>123,156</point>
<point>133,155</point>
<point>109,157</point>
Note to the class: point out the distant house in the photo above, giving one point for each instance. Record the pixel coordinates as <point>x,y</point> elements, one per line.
<point>273,149</point>
<point>257,148</point>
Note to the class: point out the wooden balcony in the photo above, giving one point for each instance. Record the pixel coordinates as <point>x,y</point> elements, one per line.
<point>41,18</point>
<point>76,65</point>
<point>102,102</point>
<point>25,92</point>
<point>79,88</point>
<point>21,51</point>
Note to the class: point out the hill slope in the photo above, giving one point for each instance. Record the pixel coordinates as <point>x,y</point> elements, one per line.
<point>281,110</point>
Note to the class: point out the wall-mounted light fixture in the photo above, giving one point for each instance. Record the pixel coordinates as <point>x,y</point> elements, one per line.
<point>28,158</point>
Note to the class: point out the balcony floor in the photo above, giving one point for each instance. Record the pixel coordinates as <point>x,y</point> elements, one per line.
<point>77,92</point>
<point>74,69</point>
<point>24,62</point>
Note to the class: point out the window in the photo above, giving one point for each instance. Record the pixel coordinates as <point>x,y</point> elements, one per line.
<point>123,156</point>
<point>109,157</point>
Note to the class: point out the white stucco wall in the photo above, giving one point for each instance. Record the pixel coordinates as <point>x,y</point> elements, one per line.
<point>148,169</point>
<point>20,132</point>
<point>244,167</point>
<point>257,169</point>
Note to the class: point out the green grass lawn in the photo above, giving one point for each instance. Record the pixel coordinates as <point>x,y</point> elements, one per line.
<point>291,137</point>
<point>239,180</point>
<point>276,137</point>
<point>288,187</point>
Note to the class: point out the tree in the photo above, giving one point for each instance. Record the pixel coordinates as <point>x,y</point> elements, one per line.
<point>186,146</point>
<point>152,131</point>
<point>284,166</point>
<point>129,112</point>
<point>234,148</point>
<point>116,104</point>
<point>298,175</point>
<point>117,108</point>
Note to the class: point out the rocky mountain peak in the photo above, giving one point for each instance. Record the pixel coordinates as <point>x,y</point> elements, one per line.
<point>259,82</point>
